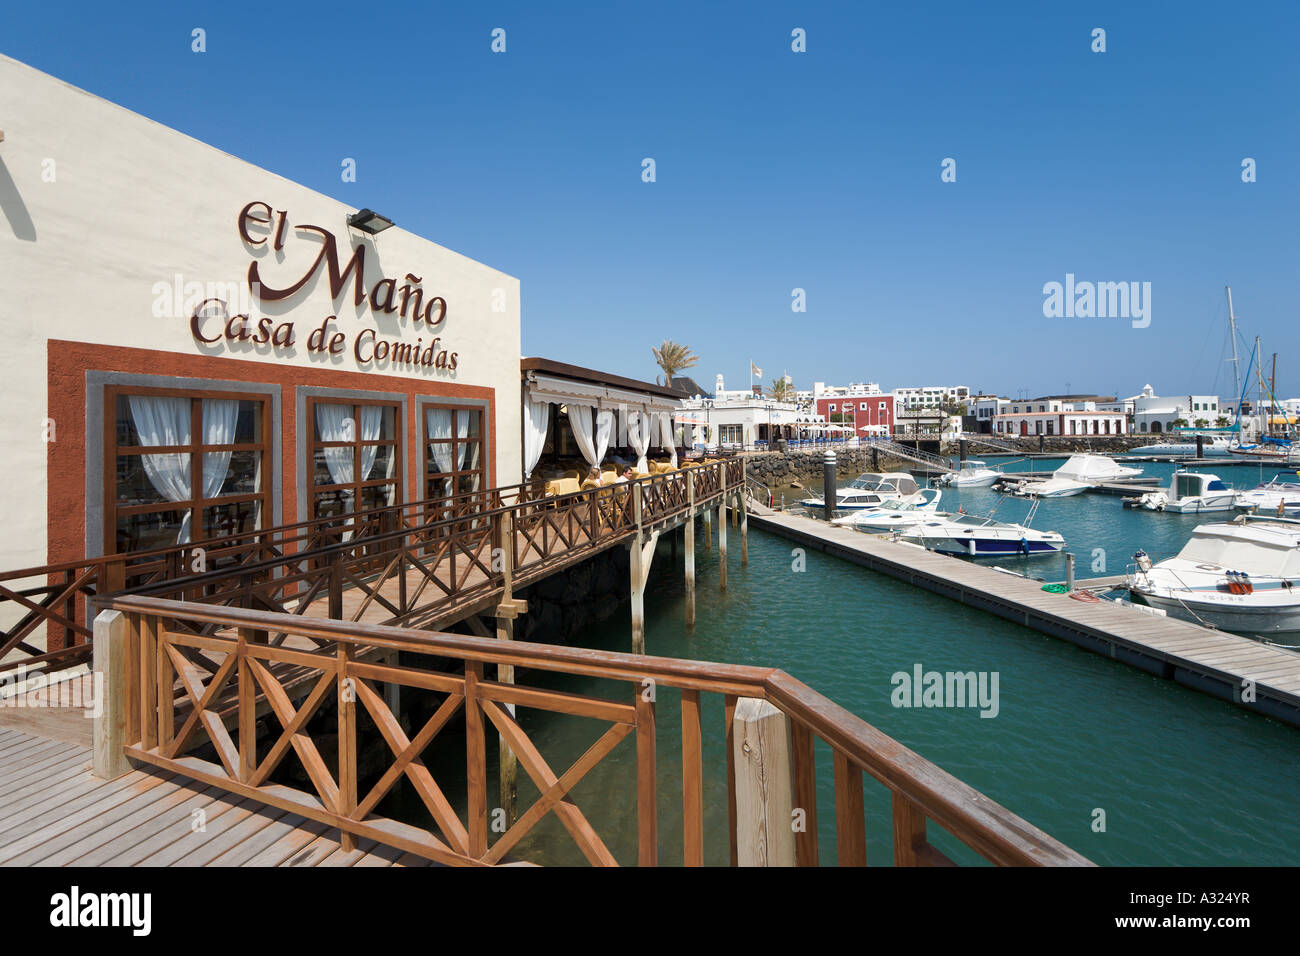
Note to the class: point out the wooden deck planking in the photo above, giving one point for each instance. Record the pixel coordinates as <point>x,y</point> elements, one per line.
<point>1214,661</point>
<point>149,818</point>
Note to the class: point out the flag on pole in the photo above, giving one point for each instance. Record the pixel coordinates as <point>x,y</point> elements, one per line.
<point>754,369</point>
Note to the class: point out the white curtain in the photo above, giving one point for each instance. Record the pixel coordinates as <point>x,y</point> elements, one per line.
<point>165,421</point>
<point>580,419</point>
<point>638,436</point>
<point>335,424</point>
<point>537,419</point>
<point>438,424</point>
<point>372,421</point>
<point>604,426</point>
<point>372,426</point>
<point>666,439</point>
<point>219,418</point>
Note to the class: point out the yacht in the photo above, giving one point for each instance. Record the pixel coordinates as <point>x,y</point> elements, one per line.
<point>1216,446</point>
<point>1268,497</point>
<point>894,515</point>
<point>869,489</point>
<point>980,536</point>
<point>1189,492</point>
<point>1077,475</point>
<point>971,474</point>
<point>1237,576</point>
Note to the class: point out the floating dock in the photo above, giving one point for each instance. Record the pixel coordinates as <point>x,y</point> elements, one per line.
<point>1252,675</point>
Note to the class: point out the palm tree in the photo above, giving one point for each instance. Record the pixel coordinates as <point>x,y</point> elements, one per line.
<point>672,358</point>
<point>781,390</point>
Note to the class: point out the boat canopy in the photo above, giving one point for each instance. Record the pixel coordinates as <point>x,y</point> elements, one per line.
<point>1092,468</point>
<point>1256,549</point>
<point>898,481</point>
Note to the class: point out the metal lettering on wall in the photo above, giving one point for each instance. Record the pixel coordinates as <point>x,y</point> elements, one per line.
<point>211,321</point>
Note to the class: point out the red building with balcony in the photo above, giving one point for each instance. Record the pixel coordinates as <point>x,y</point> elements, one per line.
<point>865,411</point>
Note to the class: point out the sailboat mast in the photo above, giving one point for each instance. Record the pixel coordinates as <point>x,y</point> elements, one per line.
<point>1232,334</point>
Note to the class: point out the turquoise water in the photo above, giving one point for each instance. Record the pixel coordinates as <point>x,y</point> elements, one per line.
<point>1183,779</point>
<point>1100,532</point>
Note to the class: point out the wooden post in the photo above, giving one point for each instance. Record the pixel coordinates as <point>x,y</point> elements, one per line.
<point>636,576</point>
<point>476,763</point>
<point>722,545</point>
<point>508,763</point>
<point>110,661</point>
<point>690,549</point>
<point>708,529</point>
<point>762,756</point>
<point>744,529</point>
<point>347,753</point>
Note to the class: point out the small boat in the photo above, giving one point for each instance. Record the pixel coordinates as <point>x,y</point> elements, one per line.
<point>980,536</point>
<point>971,474</point>
<point>1272,449</point>
<point>1077,475</point>
<point>1189,492</point>
<point>1240,576</point>
<point>1267,498</point>
<point>894,515</point>
<point>869,489</point>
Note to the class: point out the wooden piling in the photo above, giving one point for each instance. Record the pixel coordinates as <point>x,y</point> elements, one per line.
<point>744,529</point>
<point>722,547</point>
<point>689,531</point>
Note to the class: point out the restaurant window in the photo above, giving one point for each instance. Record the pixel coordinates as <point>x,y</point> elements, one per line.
<point>355,456</point>
<point>182,466</point>
<point>453,451</point>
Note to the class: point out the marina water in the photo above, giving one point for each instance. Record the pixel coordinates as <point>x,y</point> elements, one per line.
<point>1181,778</point>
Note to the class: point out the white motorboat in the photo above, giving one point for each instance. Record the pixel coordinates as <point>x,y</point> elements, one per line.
<point>1242,576</point>
<point>971,474</point>
<point>1212,446</point>
<point>1077,475</point>
<point>1189,492</point>
<point>894,515</point>
<point>980,536</point>
<point>1269,497</point>
<point>871,488</point>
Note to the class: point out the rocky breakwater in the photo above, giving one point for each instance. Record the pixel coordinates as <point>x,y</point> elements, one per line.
<point>777,469</point>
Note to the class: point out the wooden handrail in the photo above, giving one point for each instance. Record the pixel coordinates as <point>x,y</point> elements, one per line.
<point>324,555</point>
<point>347,653</point>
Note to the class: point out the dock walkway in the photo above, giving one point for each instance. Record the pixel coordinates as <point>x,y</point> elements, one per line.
<point>53,812</point>
<point>1214,662</point>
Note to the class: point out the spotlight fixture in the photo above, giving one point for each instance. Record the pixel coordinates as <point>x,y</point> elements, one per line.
<point>367,220</point>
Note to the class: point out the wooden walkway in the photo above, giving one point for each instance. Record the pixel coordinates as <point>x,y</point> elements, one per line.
<point>54,813</point>
<point>1215,662</point>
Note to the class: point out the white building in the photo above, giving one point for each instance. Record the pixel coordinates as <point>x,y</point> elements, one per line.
<point>1153,414</point>
<point>985,408</point>
<point>1055,416</point>
<point>164,294</point>
<point>738,422</point>
<point>852,390</point>
<point>930,396</point>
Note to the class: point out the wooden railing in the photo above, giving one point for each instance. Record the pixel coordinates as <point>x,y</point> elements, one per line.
<point>225,667</point>
<point>413,574</point>
<point>444,544</point>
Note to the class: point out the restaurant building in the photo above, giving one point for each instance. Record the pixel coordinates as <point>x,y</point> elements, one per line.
<point>194,346</point>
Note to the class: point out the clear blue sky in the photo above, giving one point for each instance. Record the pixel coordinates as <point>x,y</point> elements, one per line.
<point>777,170</point>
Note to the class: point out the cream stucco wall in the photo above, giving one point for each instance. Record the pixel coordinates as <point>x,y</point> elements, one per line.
<point>102,208</point>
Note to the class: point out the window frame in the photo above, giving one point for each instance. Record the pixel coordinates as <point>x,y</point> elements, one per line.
<point>426,453</point>
<point>314,491</point>
<point>195,448</point>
